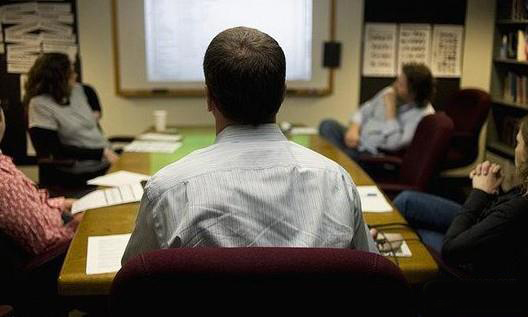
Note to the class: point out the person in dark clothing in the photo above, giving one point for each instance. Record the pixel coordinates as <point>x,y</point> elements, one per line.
<point>93,101</point>
<point>484,235</point>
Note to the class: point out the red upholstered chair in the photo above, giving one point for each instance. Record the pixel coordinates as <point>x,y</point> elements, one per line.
<point>6,311</point>
<point>257,281</point>
<point>468,108</point>
<point>421,161</point>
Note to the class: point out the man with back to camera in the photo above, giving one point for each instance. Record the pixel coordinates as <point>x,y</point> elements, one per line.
<point>388,120</point>
<point>252,187</point>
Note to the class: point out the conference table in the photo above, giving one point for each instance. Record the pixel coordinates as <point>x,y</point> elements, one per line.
<point>120,219</point>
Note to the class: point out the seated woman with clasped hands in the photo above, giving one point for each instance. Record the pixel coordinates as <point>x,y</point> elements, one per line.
<point>485,235</point>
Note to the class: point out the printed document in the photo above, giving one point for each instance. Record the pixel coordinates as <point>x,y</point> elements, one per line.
<point>372,200</point>
<point>118,178</point>
<point>108,197</point>
<point>105,253</point>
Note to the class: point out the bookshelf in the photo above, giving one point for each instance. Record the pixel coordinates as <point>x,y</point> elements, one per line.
<point>509,81</point>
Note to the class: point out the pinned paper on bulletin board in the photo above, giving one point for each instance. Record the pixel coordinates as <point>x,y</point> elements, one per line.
<point>32,28</point>
<point>414,44</point>
<point>379,54</point>
<point>446,60</point>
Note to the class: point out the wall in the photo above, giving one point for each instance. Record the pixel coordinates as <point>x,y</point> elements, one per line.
<point>131,116</point>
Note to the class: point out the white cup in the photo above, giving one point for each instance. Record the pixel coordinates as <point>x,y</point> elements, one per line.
<point>160,120</point>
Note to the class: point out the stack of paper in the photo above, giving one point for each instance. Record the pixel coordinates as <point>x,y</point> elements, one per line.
<point>160,137</point>
<point>303,131</point>
<point>105,253</point>
<point>118,178</point>
<point>108,197</point>
<point>372,200</point>
<point>152,146</point>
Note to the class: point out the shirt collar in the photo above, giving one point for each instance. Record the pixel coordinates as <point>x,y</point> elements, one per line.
<point>406,107</point>
<point>249,133</point>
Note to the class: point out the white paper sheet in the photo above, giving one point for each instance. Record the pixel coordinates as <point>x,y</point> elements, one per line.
<point>372,200</point>
<point>160,137</point>
<point>19,67</point>
<point>414,44</point>
<point>152,147</point>
<point>303,131</point>
<point>108,197</point>
<point>118,178</point>
<point>379,54</point>
<point>105,253</point>
<point>18,8</point>
<point>446,60</point>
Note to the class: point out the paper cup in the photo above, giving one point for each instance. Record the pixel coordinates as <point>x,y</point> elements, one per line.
<point>160,120</point>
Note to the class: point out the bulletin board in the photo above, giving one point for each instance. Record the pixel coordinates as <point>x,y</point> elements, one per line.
<point>434,21</point>
<point>29,28</point>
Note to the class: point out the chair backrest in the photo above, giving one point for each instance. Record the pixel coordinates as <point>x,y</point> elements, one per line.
<point>240,281</point>
<point>468,108</point>
<point>26,278</point>
<point>427,150</point>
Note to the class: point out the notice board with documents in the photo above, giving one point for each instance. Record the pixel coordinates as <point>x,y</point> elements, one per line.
<point>27,29</point>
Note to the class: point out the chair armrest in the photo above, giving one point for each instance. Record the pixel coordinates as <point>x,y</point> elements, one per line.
<point>121,139</point>
<point>393,189</point>
<point>54,252</point>
<point>381,159</point>
<point>6,311</point>
<point>55,162</point>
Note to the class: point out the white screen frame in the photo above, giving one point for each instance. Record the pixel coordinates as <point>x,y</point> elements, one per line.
<point>129,52</point>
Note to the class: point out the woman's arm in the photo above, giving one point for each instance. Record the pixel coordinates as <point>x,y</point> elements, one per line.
<point>47,144</point>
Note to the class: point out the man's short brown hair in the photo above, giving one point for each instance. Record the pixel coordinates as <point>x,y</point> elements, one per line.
<point>245,73</point>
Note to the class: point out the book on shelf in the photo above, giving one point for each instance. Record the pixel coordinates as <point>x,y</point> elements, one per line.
<point>519,10</point>
<point>515,88</point>
<point>514,45</point>
<point>510,127</point>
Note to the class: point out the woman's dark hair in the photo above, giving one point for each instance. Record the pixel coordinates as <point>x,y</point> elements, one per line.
<point>49,76</point>
<point>420,82</point>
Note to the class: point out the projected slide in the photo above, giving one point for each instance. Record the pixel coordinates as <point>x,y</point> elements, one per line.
<point>177,33</point>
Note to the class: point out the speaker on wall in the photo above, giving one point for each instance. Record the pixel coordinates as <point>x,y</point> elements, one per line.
<point>332,54</point>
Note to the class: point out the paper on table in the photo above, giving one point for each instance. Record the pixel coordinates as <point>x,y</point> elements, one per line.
<point>152,147</point>
<point>105,253</point>
<point>160,137</point>
<point>108,197</point>
<point>303,130</point>
<point>372,200</point>
<point>118,178</point>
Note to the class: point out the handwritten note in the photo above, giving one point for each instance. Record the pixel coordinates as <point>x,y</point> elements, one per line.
<point>379,55</point>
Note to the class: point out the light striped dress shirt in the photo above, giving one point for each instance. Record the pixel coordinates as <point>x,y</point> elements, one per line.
<point>252,188</point>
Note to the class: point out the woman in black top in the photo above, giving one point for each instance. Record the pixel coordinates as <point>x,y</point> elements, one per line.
<point>485,235</point>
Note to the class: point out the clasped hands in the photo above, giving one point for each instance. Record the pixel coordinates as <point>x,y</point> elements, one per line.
<point>487,177</point>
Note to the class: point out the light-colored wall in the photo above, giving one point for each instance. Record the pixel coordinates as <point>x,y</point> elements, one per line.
<point>131,116</point>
